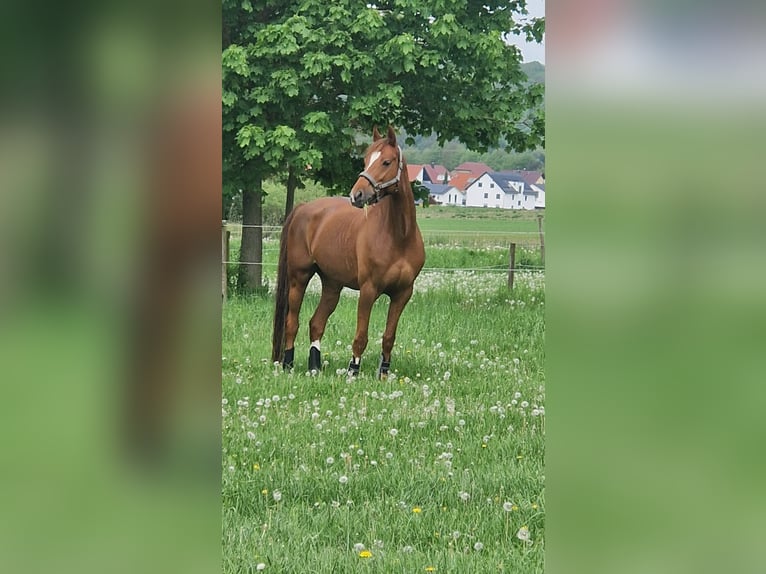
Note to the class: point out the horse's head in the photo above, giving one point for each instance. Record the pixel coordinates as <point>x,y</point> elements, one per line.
<point>382,170</point>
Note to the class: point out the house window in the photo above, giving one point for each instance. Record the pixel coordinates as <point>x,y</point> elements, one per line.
<point>519,202</point>
<point>464,202</point>
<point>497,196</point>
<point>492,185</point>
<point>486,195</point>
<point>479,184</point>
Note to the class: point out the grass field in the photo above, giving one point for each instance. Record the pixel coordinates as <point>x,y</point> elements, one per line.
<point>439,468</point>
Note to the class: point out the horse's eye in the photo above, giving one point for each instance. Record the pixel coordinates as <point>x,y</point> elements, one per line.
<point>387,162</point>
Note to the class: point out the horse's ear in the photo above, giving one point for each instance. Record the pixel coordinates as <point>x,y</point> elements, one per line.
<point>376,134</point>
<point>391,135</point>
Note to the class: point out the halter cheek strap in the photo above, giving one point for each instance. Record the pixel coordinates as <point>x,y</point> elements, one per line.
<point>382,187</point>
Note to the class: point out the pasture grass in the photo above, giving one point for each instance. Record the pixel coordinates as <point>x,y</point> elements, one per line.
<point>437,468</point>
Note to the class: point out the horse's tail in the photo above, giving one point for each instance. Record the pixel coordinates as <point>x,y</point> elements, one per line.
<point>280,297</point>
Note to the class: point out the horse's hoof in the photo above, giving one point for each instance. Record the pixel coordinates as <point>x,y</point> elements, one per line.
<point>315,359</point>
<point>383,368</point>
<point>353,368</point>
<point>289,359</point>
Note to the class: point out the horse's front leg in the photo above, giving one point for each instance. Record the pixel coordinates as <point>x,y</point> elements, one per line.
<point>367,296</point>
<point>395,308</point>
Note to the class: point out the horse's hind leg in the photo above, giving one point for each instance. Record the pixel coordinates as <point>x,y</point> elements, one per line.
<point>298,283</point>
<point>327,303</point>
<point>395,308</point>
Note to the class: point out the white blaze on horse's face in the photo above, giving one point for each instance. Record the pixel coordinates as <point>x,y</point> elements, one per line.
<point>375,155</point>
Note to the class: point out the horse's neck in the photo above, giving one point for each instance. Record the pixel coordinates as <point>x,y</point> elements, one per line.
<point>400,214</point>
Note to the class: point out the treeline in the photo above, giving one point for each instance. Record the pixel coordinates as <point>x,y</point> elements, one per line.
<point>453,153</point>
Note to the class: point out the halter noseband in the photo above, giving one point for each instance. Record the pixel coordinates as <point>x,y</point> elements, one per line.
<point>380,188</point>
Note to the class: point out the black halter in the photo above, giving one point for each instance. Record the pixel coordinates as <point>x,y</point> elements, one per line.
<point>381,188</point>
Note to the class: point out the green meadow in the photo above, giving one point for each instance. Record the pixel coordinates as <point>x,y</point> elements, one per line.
<point>439,468</point>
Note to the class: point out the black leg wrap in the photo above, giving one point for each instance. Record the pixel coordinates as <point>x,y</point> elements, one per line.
<point>383,367</point>
<point>353,368</point>
<point>315,359</point>
<point>288,359</point>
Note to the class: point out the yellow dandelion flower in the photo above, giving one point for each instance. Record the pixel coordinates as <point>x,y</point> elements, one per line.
<point>514,507</point>
<point>534,506</point>
<point>256,466</point>
<point>417,510</point>
<point>519,457</point>
<point>483,445</point>
<point>430,568</point>
<point>365,554</point>
<point>265,491</point>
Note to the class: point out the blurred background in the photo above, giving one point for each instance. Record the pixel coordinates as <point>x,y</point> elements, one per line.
<point>656,282</point>
<point>110,163</point>
<point>110,159</point>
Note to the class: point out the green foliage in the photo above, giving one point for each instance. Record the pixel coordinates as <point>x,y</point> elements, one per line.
<point>302,78</point>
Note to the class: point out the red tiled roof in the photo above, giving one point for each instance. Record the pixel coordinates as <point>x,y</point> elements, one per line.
<point>461,180</point>
<point>413,170</point>
<point>474,167</point>
<point>435,173</point>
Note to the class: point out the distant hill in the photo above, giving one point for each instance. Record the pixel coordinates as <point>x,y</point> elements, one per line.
<point>535,72</point>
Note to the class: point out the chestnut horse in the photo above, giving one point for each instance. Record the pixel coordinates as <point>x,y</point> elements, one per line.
<point>375,250</point>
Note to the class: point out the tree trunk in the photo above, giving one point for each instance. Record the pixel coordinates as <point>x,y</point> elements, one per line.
<point>292,184</point>
<point>250,274</point>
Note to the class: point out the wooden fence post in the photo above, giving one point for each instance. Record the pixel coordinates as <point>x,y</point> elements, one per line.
<point>511,265</point>
<point>542,239</point>
<point>225,235</point>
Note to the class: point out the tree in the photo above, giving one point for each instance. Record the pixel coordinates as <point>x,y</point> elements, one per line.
<point>301,78</point>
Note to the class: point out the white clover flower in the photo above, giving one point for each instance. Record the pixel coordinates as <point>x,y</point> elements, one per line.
<point>277,495</point>
<point>389,455</point>
<point>456,534</point>
<point>464,496</point>
<point>260,566</point>
<point>343,479</point>
<point>478,547</point>
<point>524,404</point>
<point>523,534</point>
<point>251,435</point>
<point>517,395</point>
<point>393,432</point>
<point>407,549</point>
<point>335,504</point>
<point>358,547</point>
<point>330,460</point>
<point>507,506</point>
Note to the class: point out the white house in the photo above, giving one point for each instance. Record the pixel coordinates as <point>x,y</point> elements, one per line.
<point>540,189</point>
<point>454,196</point>
<point>437,191</point>
<point>505,191</point>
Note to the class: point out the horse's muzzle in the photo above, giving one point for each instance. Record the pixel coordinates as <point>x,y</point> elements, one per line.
<point>359,199</point>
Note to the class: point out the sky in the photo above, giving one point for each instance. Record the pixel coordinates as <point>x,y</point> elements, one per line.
<point>533,51</point>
